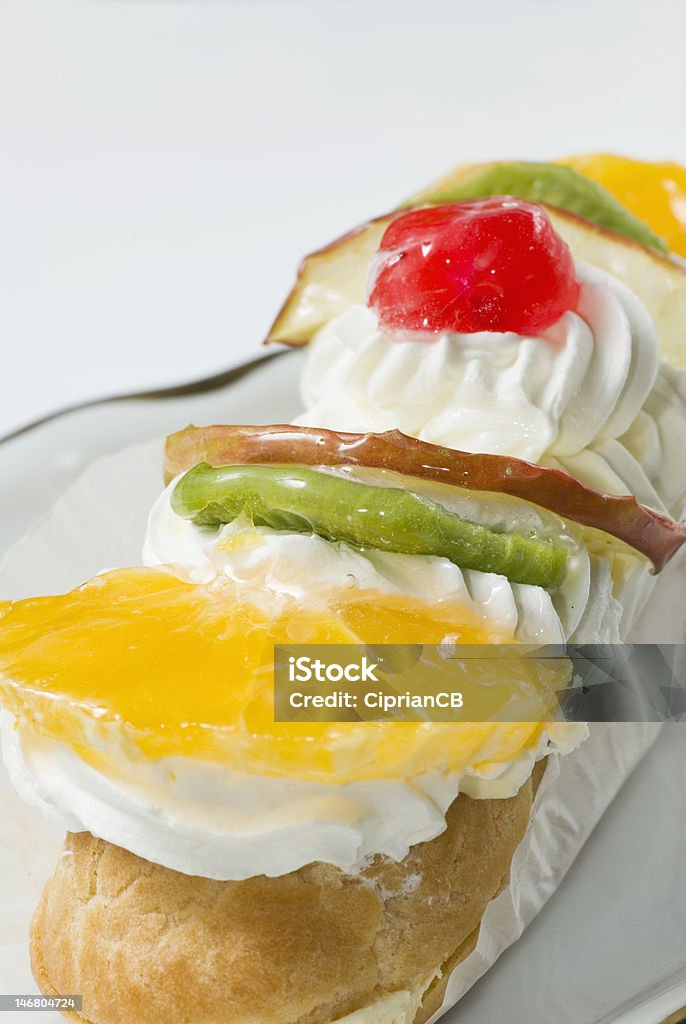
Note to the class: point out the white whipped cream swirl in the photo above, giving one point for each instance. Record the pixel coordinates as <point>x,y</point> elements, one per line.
<point>589,394</point>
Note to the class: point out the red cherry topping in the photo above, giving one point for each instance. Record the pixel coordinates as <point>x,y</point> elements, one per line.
<point>490,265</point>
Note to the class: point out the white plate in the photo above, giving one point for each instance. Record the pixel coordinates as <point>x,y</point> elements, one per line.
<point>38,465</point>
<point>617,925</point>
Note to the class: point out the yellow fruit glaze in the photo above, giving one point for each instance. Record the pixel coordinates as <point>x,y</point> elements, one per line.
<point>138,661</point>
<point>655,192</point>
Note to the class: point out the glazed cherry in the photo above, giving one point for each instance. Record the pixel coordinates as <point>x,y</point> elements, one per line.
<point>493,264</point>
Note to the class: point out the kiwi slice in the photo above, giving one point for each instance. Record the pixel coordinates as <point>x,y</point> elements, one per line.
<point>553,184</point>
<point>301,500</point>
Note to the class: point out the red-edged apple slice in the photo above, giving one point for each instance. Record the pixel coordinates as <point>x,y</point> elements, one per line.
<point>654,535</point>
<point>334,278</point>
<point>329,281</point>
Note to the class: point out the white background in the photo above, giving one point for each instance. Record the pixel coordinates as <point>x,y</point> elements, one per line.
<point>164,165</point>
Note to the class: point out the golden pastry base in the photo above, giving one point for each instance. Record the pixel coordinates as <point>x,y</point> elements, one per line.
<point>146,945</point>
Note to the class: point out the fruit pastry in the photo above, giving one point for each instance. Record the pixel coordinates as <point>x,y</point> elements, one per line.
<point>551,331</point>
<point>225,868</point>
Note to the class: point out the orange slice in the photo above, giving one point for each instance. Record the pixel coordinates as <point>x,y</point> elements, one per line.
<point>140,662</point>
<point>655,192</point>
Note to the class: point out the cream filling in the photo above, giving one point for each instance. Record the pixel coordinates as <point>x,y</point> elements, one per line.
<point>396,1008</point>
<point>198,818</point>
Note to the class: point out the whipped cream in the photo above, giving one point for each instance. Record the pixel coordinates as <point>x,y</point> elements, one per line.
<point>306,566</point>
<point>198,818</point>
<point>588,395</point>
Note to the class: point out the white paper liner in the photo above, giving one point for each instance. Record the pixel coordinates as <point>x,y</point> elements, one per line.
<point>573,794</point>
<point>99,523</point>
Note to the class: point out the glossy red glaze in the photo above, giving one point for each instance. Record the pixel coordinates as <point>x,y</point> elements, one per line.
<point>492,264</point>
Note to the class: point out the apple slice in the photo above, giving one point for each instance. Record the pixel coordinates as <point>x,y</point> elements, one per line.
<point>654,535</point>
<point>329,281</point>
<point>335,278</point>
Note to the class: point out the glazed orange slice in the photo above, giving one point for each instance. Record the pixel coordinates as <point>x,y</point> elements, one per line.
<point>655,192</point>
<point>138,661</point>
